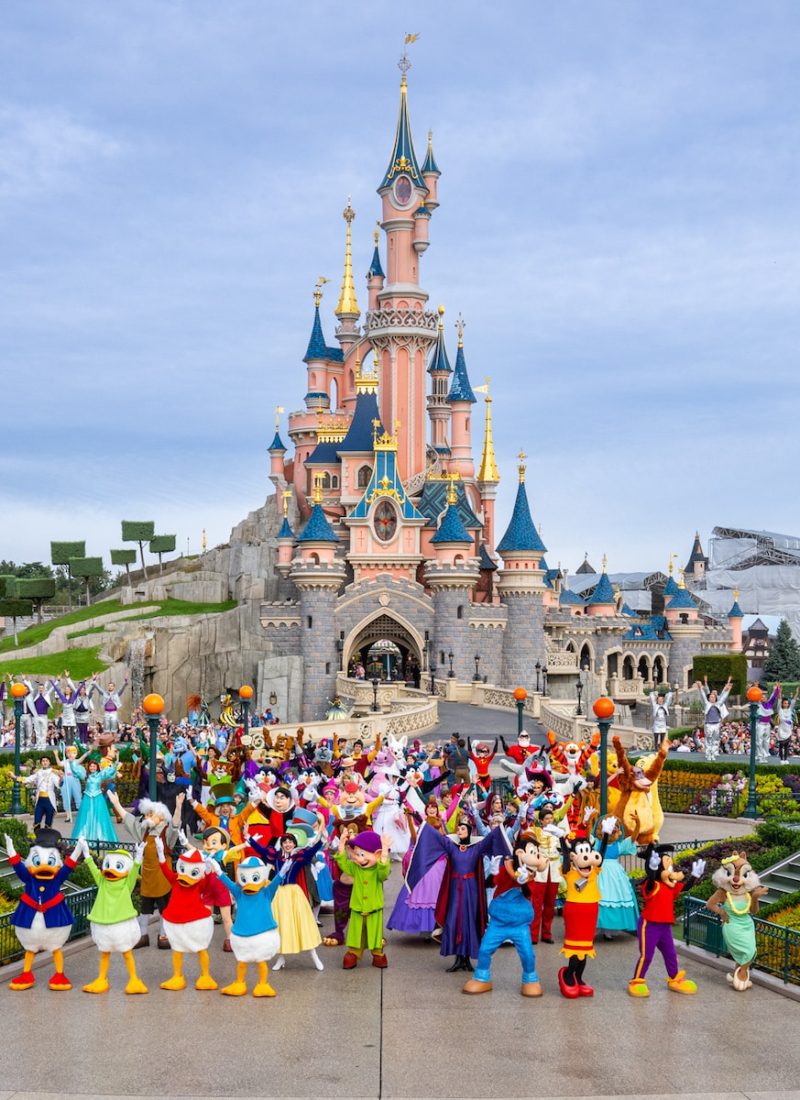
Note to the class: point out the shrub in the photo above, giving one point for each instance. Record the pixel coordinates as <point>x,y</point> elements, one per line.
<point>718,667</point>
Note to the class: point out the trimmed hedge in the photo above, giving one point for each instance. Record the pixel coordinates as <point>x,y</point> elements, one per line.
<point>718,667</point>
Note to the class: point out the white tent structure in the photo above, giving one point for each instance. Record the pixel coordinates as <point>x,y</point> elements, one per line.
<point>763,566</point>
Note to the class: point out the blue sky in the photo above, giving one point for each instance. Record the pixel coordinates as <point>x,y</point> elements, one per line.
<point>618,225</point>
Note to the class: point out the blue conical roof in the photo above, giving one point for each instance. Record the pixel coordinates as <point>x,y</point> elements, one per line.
<point>317,529</point>
<point>285,532</point>
<point>403,160</point>
<point>485,560</point>
<point>430,167</point>
<point>521,533</point>
<point>671,587</point>
<point>360,433</point>
<point>451,529</point>
<point>681,599</point>
<point>375,267</point>
<point>567,596</point>
<point>439,360</point>
<point>277,442</point>
<point>460,389</point>
<point>736,611</point>
<point>317,348</point>
<point>603,593</point>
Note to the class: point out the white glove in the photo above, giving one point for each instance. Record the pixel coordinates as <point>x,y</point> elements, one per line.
<point>608,826</point>
<point>11,851</point>
<point>522,875</point>
<point>212,867</point>
<point>138,855</point>
<point>654,862</point>
<point>182,838</point>
<point>554,830</point>
<point>160,849</point>
<point>588,814</point>
<point>77,851</point>
<point>254,791</point>
<point>494,864</point>
<point>698,867</point>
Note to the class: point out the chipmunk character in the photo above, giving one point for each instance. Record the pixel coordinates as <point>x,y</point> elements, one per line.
<point>662,886</point>
<point>736,902</point>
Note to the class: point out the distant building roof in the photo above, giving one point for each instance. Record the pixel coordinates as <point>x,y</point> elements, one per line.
<point>681,599</point>
<point>277,443</point>
<point>585,567</point>
<point>697,556</point>
<point>360,434</point>
<point>460,388</point>
<point>570,598</point>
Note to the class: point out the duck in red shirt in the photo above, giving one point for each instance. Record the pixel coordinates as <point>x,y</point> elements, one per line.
<point>188,922</point>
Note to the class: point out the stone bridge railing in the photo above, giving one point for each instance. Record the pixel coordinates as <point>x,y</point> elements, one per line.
<point>560,717</point>
<point>407,716</point>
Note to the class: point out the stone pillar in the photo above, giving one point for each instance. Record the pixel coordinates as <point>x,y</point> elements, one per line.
<point>524,640</point>
<point>685,645</point>
<point>318,586</point>
<point>451,586</point>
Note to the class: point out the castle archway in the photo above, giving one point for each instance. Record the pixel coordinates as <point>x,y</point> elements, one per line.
<point>385,645</point>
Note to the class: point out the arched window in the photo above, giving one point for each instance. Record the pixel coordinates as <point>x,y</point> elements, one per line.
<point>325,480</point>
<point>627,668</point>
<point>644,667</point>
<point>586,658</point>
<point>334,481</point>
<point>460,611</point>
<point>364,474</point>
<point>334,395</point>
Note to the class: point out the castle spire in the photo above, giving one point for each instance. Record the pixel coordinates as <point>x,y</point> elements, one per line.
<point>488,471</point>
<point>347,306</point>
<point>460,388</point>
<point>521,534</point>
<point>403,160</point>
<point>375,268</point>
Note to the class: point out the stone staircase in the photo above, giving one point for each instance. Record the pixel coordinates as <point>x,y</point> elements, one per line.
<point>782,879</point>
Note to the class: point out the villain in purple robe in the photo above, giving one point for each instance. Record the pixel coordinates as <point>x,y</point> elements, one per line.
<point>461,908</point>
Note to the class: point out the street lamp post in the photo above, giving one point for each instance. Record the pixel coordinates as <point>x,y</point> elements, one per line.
<point>604,712</point>
<point>579,690</point>
<point>520,695</point>
<point>375,682</point>
<point>544,679</point>
<point>477,676</point>
<point>450,656</point>
<point>754,697</point>
<point>538,669</point>
<point>246,694</point>
<point>433,679</point>
<point>153,706</point>
<point>18,693</point>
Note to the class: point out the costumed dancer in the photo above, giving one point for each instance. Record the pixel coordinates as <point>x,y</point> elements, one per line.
<point>662,885</point>
<point>546,881</point>
<point>511,917</point>
<point>112,919</point>
<point>94,821</point>
<point>68,720</point>
<point>735,902</point>
<point>715,713</point>
<point>785,728</point>
<point>42,920</point>
<point>581,870</point>
<point>619,909</point>
<point>83,707</point>
<point>155,821</point>
<point>254,937</point>
<point>38,704</point>
<point>73,773</point>
<point>111,700</point>
<point>188,923</point>
<point>482,754</point>
<point>46,782</point>
<point>390,818</point>
<point>659,714</point>
<point>765,713</point>
<point>365,859</point>
<point>216,846</point>
<point>461,906</point>
<point>223,813</point>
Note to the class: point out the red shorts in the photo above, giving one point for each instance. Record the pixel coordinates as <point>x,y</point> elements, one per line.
<point>580,924</point>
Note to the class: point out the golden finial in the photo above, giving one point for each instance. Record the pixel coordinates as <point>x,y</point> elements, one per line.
<point>376,236</point>
<point>735,594</point>
<point>605,562</point>
<point>488,469</point>
<point>441,315</point>
<point>682,582</point>
<point>452,496</point>
<point>287,496</point>
<point>203,541</point>
<point>671,556</point>
<point>278,410</point>
<point>460,329</point>
<point>347,306</point>
<point>522,456</point>
<point>318,488</point>
<point>321,281</point>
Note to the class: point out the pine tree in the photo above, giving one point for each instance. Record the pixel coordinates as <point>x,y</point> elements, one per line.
<point>783,662</point>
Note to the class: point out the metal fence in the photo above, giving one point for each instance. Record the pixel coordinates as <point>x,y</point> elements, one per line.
<point>80,903</point>
<point>633,863</point>
<point>777,947</point>
<point>680,798</point>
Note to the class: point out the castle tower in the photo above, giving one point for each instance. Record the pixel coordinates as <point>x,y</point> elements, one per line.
<point>697,564</point>
<point>431,173</point>
<point>318,575</point>
<point>603,601</point>
<point>735,616</point>
<point>375,275</point>
<point>438,406</point>
<point>521,586</point>
<point>276,452</point>
<point>451,577</point>
<point>398,326</point>
<point>686,629</point>
<point>461,399</point>
<point>488,474</point>
<point>347,309</point>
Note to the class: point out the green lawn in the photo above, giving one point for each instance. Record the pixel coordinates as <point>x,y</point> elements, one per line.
<point>81,663</point>
<point>38,633</point>
<point>85,633</point>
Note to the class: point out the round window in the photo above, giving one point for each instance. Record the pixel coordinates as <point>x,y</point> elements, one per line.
<point>385,521</point>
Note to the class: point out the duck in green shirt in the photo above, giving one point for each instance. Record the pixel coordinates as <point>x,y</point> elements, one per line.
<point>113,918</point>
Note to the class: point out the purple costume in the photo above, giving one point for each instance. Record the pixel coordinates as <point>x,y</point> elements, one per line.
<point>415,910</point>
<point>461,907</point>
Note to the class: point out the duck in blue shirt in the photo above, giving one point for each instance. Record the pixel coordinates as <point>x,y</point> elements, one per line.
<point>254,936</point>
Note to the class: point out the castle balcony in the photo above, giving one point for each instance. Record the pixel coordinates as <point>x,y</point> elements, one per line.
<point>385,325</point>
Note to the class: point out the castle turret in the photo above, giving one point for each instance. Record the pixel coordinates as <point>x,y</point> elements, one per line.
<point>521,586</point>
<point>285,538</point>
<point>431,174</point>
<point>318,575</point>
<point>686,630</point>
<point>697,564</point>
<point>375,275</point>
<point>438,406</point>
<point>461,399</point>
<point>347,307</point>
<point>603,601</point>
<point>451,578</point>
<point>735,616</point>
<point>488,473</point>
<point>276,452</point>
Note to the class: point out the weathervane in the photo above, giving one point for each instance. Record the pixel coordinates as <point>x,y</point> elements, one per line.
<point>321,281</point>
<point>404,64</point>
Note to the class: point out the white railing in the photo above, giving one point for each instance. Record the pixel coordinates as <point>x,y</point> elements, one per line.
<point>408,718</point>
<point>560,717</point>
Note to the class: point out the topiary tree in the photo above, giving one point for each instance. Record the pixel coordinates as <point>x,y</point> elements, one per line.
<point>62,553</point>
<point>11,608</point>
<point>124,557</point>
<point>140,531</point>
<point>718,667</point>
<point>783,663</point>
<point>162,544</point>
<point>37,589</point>
<point>86,568</point>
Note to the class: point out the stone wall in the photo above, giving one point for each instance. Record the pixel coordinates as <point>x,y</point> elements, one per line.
<point>318,650</point>
<point>524,641</point>
<point>451,634</point>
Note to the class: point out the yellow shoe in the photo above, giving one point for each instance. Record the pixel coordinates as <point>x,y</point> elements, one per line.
<point>235,989</point>
<point>264,989</point>
<point>637,987</point>
<point>681,984</point>
<point>176,982</point>
<point>205,981</point>
<point>99,985</point>
<point>136,985</point>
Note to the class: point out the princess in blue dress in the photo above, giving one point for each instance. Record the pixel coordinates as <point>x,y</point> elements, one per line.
<point>619,909</point>
<point>94,820</point>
